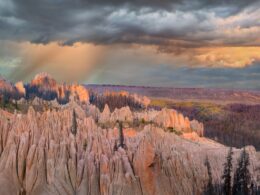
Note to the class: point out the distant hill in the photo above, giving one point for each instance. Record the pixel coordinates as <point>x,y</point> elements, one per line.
<point>221,96</point>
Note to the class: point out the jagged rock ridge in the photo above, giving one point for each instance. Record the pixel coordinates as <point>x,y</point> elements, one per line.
<point>165,118</point>
<point>44,86</point>
<point>47,88</point>
<point>39,155</point>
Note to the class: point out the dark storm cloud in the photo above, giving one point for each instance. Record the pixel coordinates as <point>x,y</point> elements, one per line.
<point>180,23</point>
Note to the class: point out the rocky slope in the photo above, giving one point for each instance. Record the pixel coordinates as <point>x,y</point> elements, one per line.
<point>39,155</point>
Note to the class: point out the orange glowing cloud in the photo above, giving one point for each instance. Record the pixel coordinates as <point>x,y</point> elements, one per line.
<point>83,60</point>
<point>233,57</point>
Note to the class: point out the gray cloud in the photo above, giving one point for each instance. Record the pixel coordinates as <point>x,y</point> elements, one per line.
<point>184,76</point>
<point>180,23</point>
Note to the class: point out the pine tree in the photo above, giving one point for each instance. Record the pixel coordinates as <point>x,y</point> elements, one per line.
<point>121,135</point>
<point>3,101</point>
<point>246,173</point>
<point>74,123</point>
<point>210,189</point>
<point>242,178</point>
<point>227,188</point>
<point>16,105</point>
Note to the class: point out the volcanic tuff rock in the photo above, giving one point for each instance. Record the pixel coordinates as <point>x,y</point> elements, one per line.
<point>45,81</point>
<point>20,88</point>
<point>7,88</point>
<point>197,127</point>
<point>166,118</point>
<point>105,115</point>
<point>40,102</point>
<point>5,85</point>
<point>142,99</point>
<point>10,90</point>
<point>122,114</point>
<point>80,92</point>
<point>39,155</point>
<point>46,87</point>
<point>171,118</point>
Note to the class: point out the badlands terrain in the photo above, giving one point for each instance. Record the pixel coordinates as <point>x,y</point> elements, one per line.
<point>230,117</point>
<point>71,139</point>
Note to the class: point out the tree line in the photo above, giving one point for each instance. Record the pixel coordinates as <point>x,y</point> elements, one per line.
<point>239,182</point>
<point>114,101</point>
<point>236,125</point>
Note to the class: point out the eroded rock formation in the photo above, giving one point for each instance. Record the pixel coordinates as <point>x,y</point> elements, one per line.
<point>20,88</point>
<point>39,155</point>
<point>8,90</point>
<point>166,118</point>
<point>44,86</point>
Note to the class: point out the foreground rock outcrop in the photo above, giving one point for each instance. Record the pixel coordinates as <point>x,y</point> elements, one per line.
<point>39,155</point>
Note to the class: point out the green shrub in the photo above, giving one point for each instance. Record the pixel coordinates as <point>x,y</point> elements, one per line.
<point>173,130</point>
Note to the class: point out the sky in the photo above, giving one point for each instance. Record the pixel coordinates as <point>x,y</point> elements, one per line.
<point>172,43</point>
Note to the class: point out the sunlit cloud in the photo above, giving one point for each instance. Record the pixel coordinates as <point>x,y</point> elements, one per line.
<point>233,57</point>
<point>69,63</point>
<point>83,41</point>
